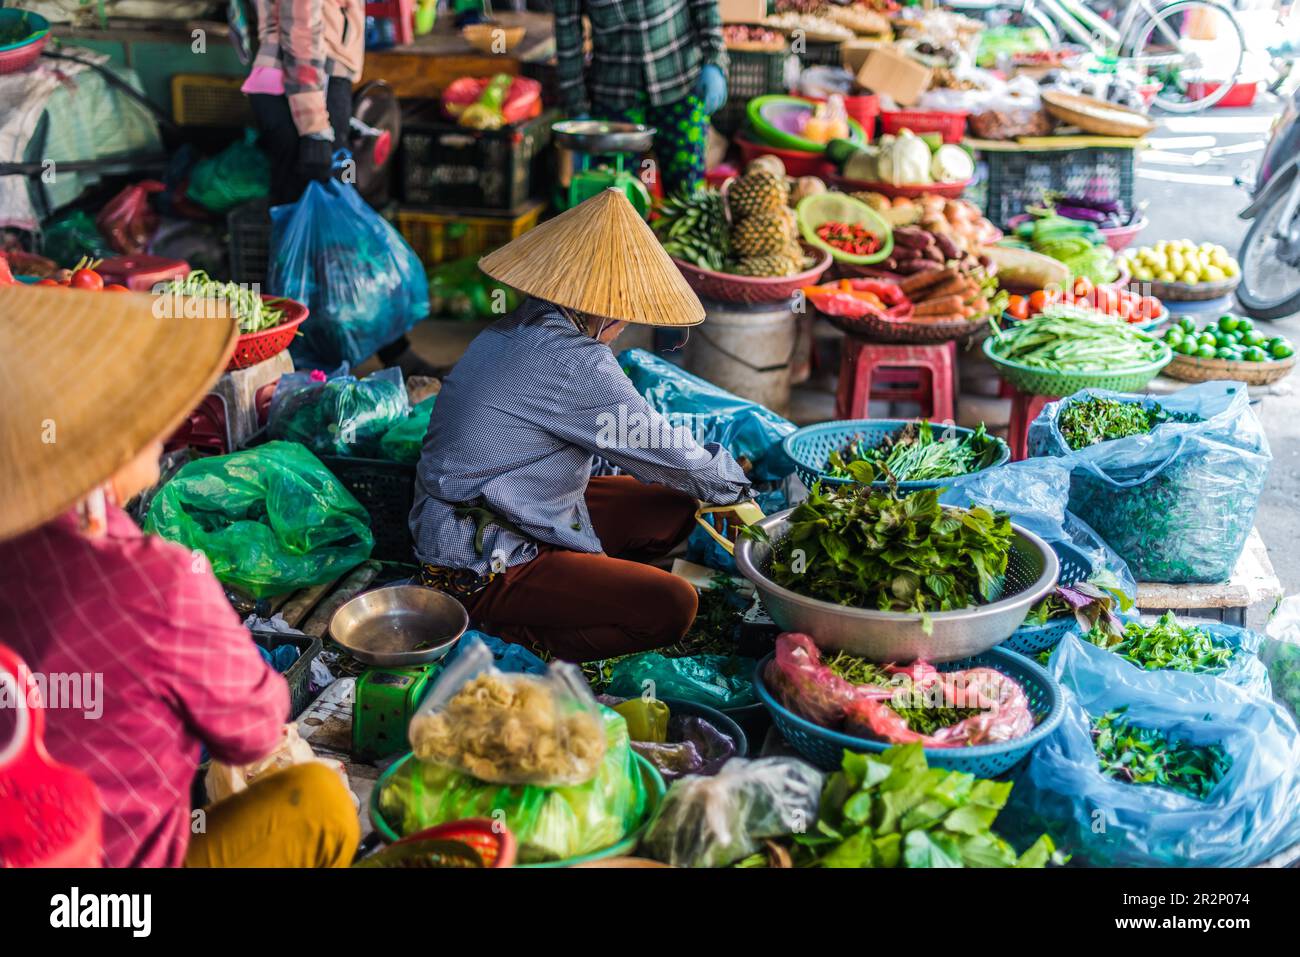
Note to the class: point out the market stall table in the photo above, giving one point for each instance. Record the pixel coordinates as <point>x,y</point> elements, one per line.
<point>1253,586</point>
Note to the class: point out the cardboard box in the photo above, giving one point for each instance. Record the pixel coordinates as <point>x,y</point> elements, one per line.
<point>854,52</point>
<point>742,11</point>
<point>886,72</point>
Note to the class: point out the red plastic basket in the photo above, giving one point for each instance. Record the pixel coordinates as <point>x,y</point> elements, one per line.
<point>255,347</point>
<point>19,58</point>
<point>1241,94</point>
<point>724,287</point>
<point>910,190</point>
<point>951,125</point>
<point>797,162</point>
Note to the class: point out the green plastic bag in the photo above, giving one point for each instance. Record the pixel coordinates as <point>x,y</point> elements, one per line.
<point>342,416</point>
<point>720,681</point>
<point>238,174</point>
<point>269,519</point>
<point>403,442</point>
<point>550,824</point>
<point>460,290</point>
<point>73,236</point>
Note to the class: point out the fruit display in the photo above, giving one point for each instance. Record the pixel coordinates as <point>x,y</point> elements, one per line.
<point>1181,260</point>
<point>744,36</point>
<point>1118,303</point>
<point>907,159</point>
<point>1076,243</point>
<point>1229,337</point>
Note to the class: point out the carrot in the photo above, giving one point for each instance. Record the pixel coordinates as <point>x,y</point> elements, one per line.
<point>937,307</point>
<point>924,280</point>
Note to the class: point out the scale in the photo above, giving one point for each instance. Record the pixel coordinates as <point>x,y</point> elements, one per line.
<point>402,632</point>
<point>586,149</point>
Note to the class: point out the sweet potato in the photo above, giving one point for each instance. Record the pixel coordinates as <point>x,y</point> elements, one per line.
<point>946,305</point>
<point>925,280</point>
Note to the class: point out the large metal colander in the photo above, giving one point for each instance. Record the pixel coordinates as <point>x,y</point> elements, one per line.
<point>1032,568</point>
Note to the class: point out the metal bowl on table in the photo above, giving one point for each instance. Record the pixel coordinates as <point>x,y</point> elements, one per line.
<point>399,625</point>
<point>602,136</point>
<point>888,636</point>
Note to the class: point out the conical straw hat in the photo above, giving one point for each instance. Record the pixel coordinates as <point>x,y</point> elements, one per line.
<point>601,259</point>
<point>87,380</point>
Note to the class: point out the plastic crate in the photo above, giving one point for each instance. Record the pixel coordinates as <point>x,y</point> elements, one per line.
<point>823,53</point>
<point>952,126</point>
<point>441,163</point>
<point>298,677</point>
<point>1017,179</point>
<point>387,491</point>
<point>440,237</point>
<point>249,226</point>
<point>202,100</point>
<point>751,73</point>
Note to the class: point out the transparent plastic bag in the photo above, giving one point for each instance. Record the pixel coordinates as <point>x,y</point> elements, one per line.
<point>1177,503</point>
<point>128,220</point>
<point>549,823</point>
<point>405,440</point>
<point>269,519</point>
<point>510,728</point>
<point>715,821</point>
<point>363,284</point>
<point>1280,653</point>
<point>340,415</point>
<point>1252,814</point>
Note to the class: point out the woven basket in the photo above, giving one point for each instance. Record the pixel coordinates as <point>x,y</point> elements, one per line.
<point>1096,116</point>
<point>254,347</point>
<point>1034,381</point>
<point>1189,291</point>
<point>1193,369</point>
<point>910,190</point>
<point>1034,639</point>
<point>724,287</point>
<point>905,332</point>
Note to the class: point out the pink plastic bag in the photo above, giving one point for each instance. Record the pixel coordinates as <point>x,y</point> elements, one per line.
<point>128,222</point>
<point>809,688</point>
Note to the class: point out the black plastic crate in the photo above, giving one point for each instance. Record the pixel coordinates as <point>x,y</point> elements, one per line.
<point>1018,179</point>
<point>751,73</point>
<point>298,676</point>
<point>822,53</point>
<point>443,164</point>
<point>250,241</point>
<point>387,491</point>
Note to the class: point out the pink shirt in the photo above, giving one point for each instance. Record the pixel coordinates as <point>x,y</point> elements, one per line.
<point>177,669</point>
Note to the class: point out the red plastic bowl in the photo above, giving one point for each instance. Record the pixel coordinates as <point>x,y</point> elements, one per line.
<point>797,162</point>
<point>1241,94</point>
<point>255,347</point>
<point>20,57</point>
<point>724,287</point>
<point>910,190</point>
<point>951,125</point>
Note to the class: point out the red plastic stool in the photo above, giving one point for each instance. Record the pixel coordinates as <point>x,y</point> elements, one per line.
<point>1024,409</point>
<point>49,812</point>
<point>871,370</point>
<point>401,12</point>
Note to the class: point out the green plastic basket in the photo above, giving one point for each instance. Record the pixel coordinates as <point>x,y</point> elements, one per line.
<point>650,778</point>
<point>1033,381</point>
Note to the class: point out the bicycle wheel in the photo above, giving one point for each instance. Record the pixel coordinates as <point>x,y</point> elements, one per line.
<point>1270,287</point>
<point>1194,48</point>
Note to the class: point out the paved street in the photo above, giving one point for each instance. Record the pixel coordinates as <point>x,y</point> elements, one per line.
<point>1200,203</point>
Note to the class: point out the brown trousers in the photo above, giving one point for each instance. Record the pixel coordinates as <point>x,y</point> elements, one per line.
<point>583,607</point>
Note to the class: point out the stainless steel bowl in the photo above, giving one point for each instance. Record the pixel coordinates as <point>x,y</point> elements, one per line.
<point>600,136</point>
<point>399,625</point>
<point>1032,569</point>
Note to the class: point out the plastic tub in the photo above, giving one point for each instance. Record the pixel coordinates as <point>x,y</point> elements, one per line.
<point>951,125</point>
<point>1241,94</point>
<point>20,55</point>
<point>797,162</point>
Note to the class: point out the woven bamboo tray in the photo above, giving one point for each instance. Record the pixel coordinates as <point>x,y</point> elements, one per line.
<point>1188,291</point>
<point>1096,116</point>
<point>1191,369</point>
<point>906,332</point>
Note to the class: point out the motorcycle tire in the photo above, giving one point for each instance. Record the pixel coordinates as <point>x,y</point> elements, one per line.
<point>1254,257</point>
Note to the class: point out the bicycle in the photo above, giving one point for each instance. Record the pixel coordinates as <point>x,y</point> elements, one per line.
<point>1170,41</point>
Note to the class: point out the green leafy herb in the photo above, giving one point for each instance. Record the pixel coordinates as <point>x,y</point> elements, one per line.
<point>1095,420</point>
<point>1138,755</point>
<point>1165,645</point>
<point>1090,601</point>
<point>866,548</point>
<point>893,810</point>
<point>858,671</point>
<point>923,718</point>
<point>714,630</point>
<point>915,455</point>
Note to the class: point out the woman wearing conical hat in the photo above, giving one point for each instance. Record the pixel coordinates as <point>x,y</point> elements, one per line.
<point>507,516</point>
<point>149,659</point>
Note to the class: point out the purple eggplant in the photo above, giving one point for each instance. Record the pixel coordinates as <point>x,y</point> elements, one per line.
<point>1086,202</point>
<point>1083,214</point>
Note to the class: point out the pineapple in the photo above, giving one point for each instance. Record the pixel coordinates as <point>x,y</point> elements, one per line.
<point>761,191</point>
<point>761,235</point>
<point>778,265</point>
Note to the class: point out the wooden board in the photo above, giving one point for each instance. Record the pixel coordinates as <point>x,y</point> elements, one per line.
<point>1042,144</point>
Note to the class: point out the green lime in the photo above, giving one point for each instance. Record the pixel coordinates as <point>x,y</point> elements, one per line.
<point>1206,339</point>
<point>1281,351</point>
<point>1205,352</point>
<point>1244,324</point>
<point>1187,324</point>
<point>1253,337</point>
<point>1228,323</point>
<point>1255,354</point>
<point>1224,353</point>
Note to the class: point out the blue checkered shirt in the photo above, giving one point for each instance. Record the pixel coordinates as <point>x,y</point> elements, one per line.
<point>516,428</point>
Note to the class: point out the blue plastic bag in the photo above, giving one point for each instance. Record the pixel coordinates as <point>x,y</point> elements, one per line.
<point>743,428</point>
<point>362,283</point>
<point>1251,815</point>
<point>1177,503</point>
<point>703,549</point>
<point>506,657</point>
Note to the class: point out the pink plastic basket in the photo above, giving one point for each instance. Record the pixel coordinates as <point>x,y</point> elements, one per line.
<point>951,125</point>
<point>19,56</point>
<point>724,287</point>
<point>797,162</point>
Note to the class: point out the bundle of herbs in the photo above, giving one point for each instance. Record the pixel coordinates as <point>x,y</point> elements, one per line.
<point>920,715</point>
<point>1138,755</point>
<point>1165,645</point>
<point>1096,419</point>
<point>1090,602</point>
<point>867,548</point>
<point>894,810</point>
<point>915,455</point>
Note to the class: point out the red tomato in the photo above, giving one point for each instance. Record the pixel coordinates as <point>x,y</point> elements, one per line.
<point>1037,301</point>
<point>1124,308</point>
<point>47,282</point>
<point>115,287</point>
<point>1148,307</point>
<point>1082,286</point>
<point>1106,300</point>
<point>87,279</point>
<point>1018,307</point>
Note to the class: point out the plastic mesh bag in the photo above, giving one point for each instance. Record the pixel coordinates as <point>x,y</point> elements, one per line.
<point>128,220</point>
<point>744,428</point>
<point>239,174</point>
<point>405,440</point>
<point>363,284</point>
<point>510,728</point>
<point>719,681</point>
<point>269,519</point>
<point>1177,503</point>
<point>549,823</point>
<point>342,415</point>
<point>1250,815</point>
<point>715,821</point>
